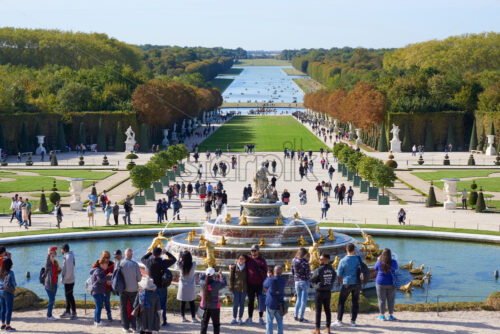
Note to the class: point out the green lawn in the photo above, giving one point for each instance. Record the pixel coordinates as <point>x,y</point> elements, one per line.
<point>5,204</point>
<point>268,133</point>
<point>293,71</point>
<point>232,71</point>
<point>489,184</point>
<point>25,183</point>
<point>86,174</point>
<point>308,85</point>
<point>221,84</point>
<point>40,194</point>
<point>262,62</point>
<point>452,174</point>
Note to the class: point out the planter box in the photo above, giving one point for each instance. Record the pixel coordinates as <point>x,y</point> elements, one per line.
<point>177,172</point>
<point>383,200</point>
<point>350,175</point>
<point>171,175</point>
<point>340,167</point>
<point>150,194</point>
<point>363,188</point>
<point>158,187</point>
<point>165,181</point>
<point>139,200</point>
<point>357,181</point>
<point>182,167</point>
<point>344,170</point>
<point>372,192</point>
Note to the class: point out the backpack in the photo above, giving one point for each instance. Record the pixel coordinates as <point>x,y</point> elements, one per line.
<point>117,281</point>
<point>42,276</point>
<point>88,285</point>
<point>166,278</point>
<point>362,272</point>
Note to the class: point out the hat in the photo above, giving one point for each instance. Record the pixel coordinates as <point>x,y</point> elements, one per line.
<point>147,284</point>
<point>210,271</point>
<point>255,247</point>
<point>65,247</point>
<point>52,249</point>
<point>117,253</point>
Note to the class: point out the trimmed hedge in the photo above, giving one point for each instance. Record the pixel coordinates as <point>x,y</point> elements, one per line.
<point>484,121</point>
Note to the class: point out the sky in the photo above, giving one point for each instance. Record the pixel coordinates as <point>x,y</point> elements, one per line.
<point>260,24</point>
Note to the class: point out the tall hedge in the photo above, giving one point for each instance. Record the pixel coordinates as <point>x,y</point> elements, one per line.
<point>382,143</point>
<point>101,137</point>
<point>24,143</point>
<point>2,140</point>
<point>144,139</point>
<point>451,136</point>
<point>82,134</point>
<point>473,137</point>
<point>429,142</point>
<point>119,138</point>
<point>406,144</point>
<point>61,137</point>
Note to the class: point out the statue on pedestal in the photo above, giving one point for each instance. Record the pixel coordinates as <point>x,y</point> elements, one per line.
<point>183,127</point>
<point>165,141</point>
<point>395,142</point>
<point>130,141</point>
<point>263,190</point>
<point>174,132</point>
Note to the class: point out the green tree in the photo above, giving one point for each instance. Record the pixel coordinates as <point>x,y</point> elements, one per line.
<point>43,207</point>
<point>431,198</point>
<point>144,138</point>
<point>366,166</point>
<point>74,96</point>
<point>429,142</point>
<point>61,137</point>
<point>473,137</point>
<point>382,143</point>
<point>82,135</point>
<point>353,161</point>
<point>141,177</point>
<point>101,137</point>
<point>480,204</point>
<point>119,139</point>
<point>473,194</point>
<point>383,176</point>
<point>492,129</point>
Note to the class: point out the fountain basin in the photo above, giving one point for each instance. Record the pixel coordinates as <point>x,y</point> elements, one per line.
<point>261,213</point>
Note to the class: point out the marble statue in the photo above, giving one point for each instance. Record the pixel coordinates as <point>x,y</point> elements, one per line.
<point>263,191</point>
<point>395,142</point>
<point>130,141</point>
<point>358,140</point>
<point>190,125</point>
<point>165,141</point>
<point>174,132</point>
<point>183,127</point>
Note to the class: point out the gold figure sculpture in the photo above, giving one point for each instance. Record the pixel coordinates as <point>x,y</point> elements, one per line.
<point>222,242</point>
<point>370,248</point>
<point>288,266</point>
<point>321,240</point>
<point>335,263</point>
<point>228,219</point>
<point>210,258</point>
<point>202,240</point>
<point>262,242</point>
<point>302,242</point>
<point>243,221</point>
<point>406,288</point>
<point>417,271</point>
<point>331,236</point>
<point>296,215</point>
<point>318,230</point>
<point>408,266</point>
<point>417,282</point>
<point>279,222</point>
<point>190,237</point>
<point>157,242</point>
<point>195,234</point>
<point>314,256</point>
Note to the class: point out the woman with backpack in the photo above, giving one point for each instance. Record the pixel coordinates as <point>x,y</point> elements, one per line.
<point>238,286</point>
<point>386,291</point>
<point>106,257</point>
<point>186,292</point>
<point>210,304</point>
<point>52,271</point>
<point>147,307</point>
<point>324,207</point>
<point>99,280</point>
<point>7,289</point>
<point>301,273</point>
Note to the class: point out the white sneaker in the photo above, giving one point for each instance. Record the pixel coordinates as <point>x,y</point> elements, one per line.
<point>100,324</point>
<point>353,323</point>
<point>126,330</point>
<point>337,324</point>
<point>51,318</point>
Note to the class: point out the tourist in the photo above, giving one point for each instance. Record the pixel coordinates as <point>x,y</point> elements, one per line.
<point>156,267</point>
<point>414,150</point>
<point>131,277</point>
<point>285,197</point>
<point>99,279</point>
<point>319,191</point>
<point>159,212</point>
<point>116,212</point>
<point>301,273</point>
<point>347,273</point>
<point>301,171</point>
<point>386,269</point>
<point>311,164</point>
<point>331,170</point>
<point>210,287</point>
<point>203,193</point>
<point>68,280</point>
<point>208,208</point>
<point>24,216</point>
<point>350,194</point>
<point>19,210</point>
<point>7,290</point>
<point>58,213</point>
<point>401,216</point>
<point>324,207</point>
<point>275,293</point>
<point>91,213</point>
<point>52,270</point>
<point>177,206</point>
<point>200,171</point>
<point>464,199</point>
<point>109,210</point>
<point>215,169</point>
<point>183,190</point>
<point>104,200</point>
<point>127,206</point>
<point>13,207</point>
<point>303,197</point>
<point>325,187</point>
<point>164,209</point>
<point>106,258</point>
<point>322,281</point>
<point>249,190</point>
<point>147,303</point>
<point>189,189</point>
<point>238,286</point>
<point>186,292</point>
<point>28,209</point>
<point>256,274</point>
<point>273,165</point>
<point>341,194</point>
<point>336,191</point>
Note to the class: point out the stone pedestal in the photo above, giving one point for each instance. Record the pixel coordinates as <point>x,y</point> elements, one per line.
<point>76,186</point>
<point>491,149</point>
<point>129,145</point>
<point>40,148</point>
<point>396,146</point>
<point>450,190</point>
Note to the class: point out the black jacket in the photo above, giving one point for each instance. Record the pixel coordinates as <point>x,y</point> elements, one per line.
<point>323,278</point>
<point>156,266</point>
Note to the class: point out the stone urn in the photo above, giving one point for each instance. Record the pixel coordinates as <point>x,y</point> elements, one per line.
<point>450,190</point>
<point>491,149</point>
<point>358,140</point>
<point>40,148</point>
<point>76,186</point>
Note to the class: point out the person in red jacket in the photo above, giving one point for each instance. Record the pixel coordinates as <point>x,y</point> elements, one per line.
<point>257,273</point>
<point>106,257</point>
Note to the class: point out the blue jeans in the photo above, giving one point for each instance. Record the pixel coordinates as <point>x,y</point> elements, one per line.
<point>300,305</point>
<point>349,200</point>
<point>107,303</point>
<point>99,301</point>
<point>159,217</point>
<point>162,292</point>
<point>239,301</point>
<point>323,212</point>
<point>52,299</point>
<point>6,306</point>
<point>270,315</point>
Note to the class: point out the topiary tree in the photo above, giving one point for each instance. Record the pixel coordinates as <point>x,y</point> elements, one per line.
<point>43,207</point>
<point>480,204</point>
<point>391,162</point>
<point>144,138</point>
<point>382,143</point>
<point>429,141</point>
<point>446,160</point>
<point>101,137</point>
<point>54,196</point>
<point>481,140</point>
<point>141,177</point>
<point>29,162</point>
<point>4,161</point>
<point>431,198</point>
<point>337,148</point>
<point>353,161</point>
<point>406,144</point>
<point>473,137</point>
<point>120,138</point>
<point>61,137</point>
<point>497,160</point>
<point>105,161</point>
<point>343,154</point>
<point>473,193</point>
<point>471,161</point>
<point>94,190</point>
<point>366,166</point>
<point>420,160</point>
<point>132,157</point>
<point>53,159</point>
<point>81,162</point>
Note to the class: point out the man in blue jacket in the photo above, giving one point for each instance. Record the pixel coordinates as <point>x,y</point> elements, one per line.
<point>274,285</point>
<point>347,273</point>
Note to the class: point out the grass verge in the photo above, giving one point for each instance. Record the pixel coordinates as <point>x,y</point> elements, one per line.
<point>262,62</point>
<point>293,71</point>
<point>221,84</point>
<point>308,85</point>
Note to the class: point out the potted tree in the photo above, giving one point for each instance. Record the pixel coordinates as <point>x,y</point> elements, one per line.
<point>141,177</point>
<point>383,176</point>
<point>352,168</point>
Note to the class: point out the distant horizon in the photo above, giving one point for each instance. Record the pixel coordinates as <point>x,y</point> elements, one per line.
<point>261,25</point>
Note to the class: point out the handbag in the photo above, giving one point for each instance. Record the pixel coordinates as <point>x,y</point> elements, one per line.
<point>8,286</point>
<point>395,280</point>
<point>200,312</point>
<point>283,308</point>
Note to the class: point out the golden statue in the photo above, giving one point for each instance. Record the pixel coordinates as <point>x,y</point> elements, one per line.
<point>407,266</point>
<point>202,240</point>
<point>262,242</point>
<point>318,230</point>
<point>406,288</point>
<point>228,219</point>
<point>321,240</point>
<point>157,242</point>
<point>369,246</point>
<point>417,271</point>
<point>302,242</point>
<point>335,263</point>
<point>331,236</point>
<point>222,242</point>
<point>228,299</point>
<point>288,266</point>
<point>195,234</point>
<point>296,215</point>
<point>243,221</point>
<point>279,222</point>
<point>190,237</point>
<point>314,256</point>
<point>210,258</point>
<point>417,282</point>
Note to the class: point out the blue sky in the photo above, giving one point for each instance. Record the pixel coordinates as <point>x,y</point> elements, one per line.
<point>258,24</point>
